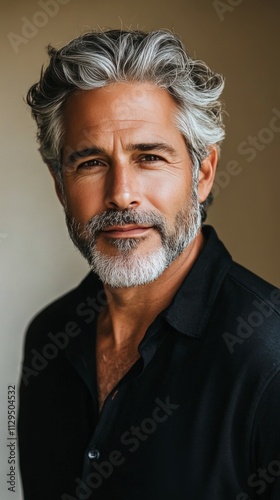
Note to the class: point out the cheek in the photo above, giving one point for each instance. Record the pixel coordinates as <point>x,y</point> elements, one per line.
<point>170,194</point>
<point>83,200</point>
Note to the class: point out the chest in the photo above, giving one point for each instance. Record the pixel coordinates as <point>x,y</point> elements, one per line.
<point>111,367</point>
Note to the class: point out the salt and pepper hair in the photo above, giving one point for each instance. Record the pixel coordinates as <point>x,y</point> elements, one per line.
<point>95,60</point>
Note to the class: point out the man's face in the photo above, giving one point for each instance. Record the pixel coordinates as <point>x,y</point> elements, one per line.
<point>129,194</point>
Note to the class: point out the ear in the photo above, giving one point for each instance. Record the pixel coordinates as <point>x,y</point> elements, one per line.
<point>57,185</point>
<point>207,174</point>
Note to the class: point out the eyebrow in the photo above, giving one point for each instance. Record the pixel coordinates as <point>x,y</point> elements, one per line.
<point>83,153</point>
<point>153,146</point>
<point>93,151</point>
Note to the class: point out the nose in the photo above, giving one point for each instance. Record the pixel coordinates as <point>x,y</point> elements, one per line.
<point>122,189</point>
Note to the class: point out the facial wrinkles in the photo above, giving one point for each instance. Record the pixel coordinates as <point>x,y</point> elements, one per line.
<point>128,101</point>
<point>115,136</point>
<point>118,147</point>
<point>119,112</point>
<point>120,138</point>
<point>122,125</point>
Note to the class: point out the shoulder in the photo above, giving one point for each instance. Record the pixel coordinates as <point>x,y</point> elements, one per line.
<point>63,313</point>
<point>251,285</point>
<point>251,297</point>
<point>250,331</point>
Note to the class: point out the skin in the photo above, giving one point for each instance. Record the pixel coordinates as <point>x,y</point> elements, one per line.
<point>117,120</point>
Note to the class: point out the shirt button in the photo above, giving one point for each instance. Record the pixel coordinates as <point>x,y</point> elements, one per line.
<point>94,454</point>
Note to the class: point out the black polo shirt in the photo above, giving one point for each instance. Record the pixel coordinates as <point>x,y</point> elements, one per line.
<point>197,417</point>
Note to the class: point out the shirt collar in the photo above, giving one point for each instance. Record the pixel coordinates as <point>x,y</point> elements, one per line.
<point>193,302</point>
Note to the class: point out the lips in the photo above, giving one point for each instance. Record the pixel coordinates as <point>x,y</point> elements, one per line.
<point>126,231</point>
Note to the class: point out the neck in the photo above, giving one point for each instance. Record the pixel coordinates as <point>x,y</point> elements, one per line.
<point>130,311</point>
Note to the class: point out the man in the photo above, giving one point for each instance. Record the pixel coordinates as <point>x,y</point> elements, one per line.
<point>158,376</point>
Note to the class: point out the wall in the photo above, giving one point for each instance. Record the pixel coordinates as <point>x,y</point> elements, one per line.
<point>239,38</point>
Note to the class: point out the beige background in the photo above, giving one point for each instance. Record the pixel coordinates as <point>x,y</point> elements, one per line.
<point>241,40</point>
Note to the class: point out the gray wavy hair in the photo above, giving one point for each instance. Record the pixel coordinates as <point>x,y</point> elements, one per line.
<point>94,60</point>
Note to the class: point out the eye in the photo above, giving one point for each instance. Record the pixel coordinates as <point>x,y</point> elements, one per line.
<point>150,158</point>
<point>89,164</point>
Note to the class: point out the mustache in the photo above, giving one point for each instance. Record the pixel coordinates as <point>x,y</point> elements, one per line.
<point>111,218</point>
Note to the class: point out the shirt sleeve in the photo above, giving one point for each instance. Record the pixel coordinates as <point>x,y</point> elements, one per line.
<point>264,482</point>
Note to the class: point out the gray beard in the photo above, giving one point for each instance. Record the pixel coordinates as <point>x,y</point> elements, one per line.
<point>129,268</point>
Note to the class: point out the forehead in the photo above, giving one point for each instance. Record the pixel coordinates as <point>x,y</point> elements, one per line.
<point>117,107</point>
